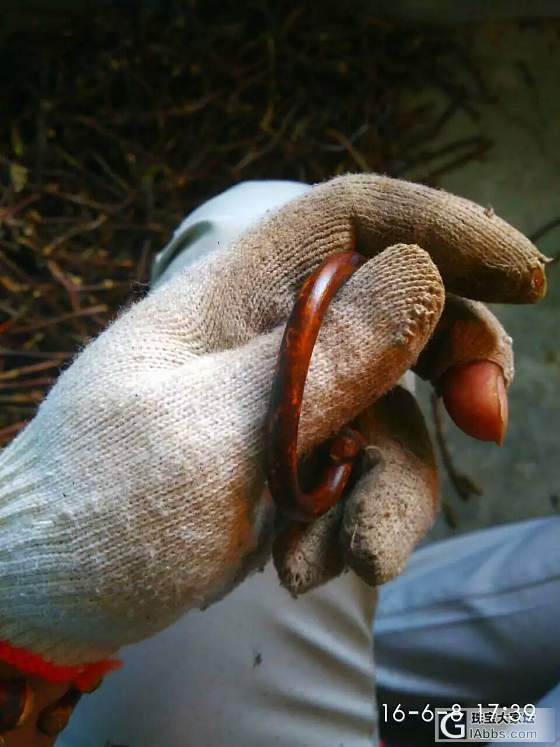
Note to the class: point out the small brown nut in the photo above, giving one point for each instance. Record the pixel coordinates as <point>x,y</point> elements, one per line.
<point>475,397</point>
<point>16,703</point>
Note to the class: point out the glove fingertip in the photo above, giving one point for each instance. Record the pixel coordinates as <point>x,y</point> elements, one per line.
<point>307,555</point>
<point>364,546</point>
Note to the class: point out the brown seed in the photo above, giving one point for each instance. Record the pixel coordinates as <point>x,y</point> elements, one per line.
<point>475,396</point>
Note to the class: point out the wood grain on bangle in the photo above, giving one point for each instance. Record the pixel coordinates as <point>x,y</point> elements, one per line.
<point>286,400</point>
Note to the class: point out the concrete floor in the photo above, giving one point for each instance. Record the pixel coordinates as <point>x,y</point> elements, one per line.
<point>520,179</point>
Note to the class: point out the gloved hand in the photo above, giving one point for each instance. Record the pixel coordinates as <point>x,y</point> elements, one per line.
<point>137,492</point>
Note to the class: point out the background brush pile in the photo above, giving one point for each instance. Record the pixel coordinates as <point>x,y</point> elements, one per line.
<point>117,121</point>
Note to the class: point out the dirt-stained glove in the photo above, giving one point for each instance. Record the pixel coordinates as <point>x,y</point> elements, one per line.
<point>136,492</point>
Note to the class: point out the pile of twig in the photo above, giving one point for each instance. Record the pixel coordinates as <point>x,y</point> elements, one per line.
<point>114,125</point>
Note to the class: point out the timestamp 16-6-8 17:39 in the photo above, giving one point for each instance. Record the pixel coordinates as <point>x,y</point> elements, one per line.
<point>398,714</point>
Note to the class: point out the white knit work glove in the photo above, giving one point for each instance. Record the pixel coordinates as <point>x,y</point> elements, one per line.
<point>136,493</point>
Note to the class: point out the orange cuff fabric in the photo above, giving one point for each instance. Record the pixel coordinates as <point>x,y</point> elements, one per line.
<point>84,677</point>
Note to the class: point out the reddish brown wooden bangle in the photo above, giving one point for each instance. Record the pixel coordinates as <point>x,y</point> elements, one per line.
<point>287,395</point>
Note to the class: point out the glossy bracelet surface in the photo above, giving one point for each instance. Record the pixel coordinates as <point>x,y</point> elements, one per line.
<point>286,400</point>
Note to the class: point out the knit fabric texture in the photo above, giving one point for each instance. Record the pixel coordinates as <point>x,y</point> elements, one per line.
<point>136,493</point>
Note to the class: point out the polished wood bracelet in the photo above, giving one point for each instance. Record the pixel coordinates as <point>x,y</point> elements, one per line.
<point>286,400</point>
